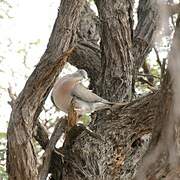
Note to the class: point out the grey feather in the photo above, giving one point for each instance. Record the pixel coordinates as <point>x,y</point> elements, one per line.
<point>84,94</point>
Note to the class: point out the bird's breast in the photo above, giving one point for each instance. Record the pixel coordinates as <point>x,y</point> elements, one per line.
<point>62,101</point>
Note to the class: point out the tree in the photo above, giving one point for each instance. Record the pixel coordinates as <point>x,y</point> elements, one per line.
<point>113,67</point>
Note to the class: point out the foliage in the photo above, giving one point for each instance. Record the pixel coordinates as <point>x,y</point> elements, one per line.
<point>3,173</point>
<point>85,119</point>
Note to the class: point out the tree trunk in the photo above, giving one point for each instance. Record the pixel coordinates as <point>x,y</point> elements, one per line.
<point>125,131</point>
<point>21,158</point>
<point>162,159</point>
<point>117,156</point>
<point>116,43</point>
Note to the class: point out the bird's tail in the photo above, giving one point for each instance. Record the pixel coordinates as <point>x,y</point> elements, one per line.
<point>117,104</point>
<point>108,105</point>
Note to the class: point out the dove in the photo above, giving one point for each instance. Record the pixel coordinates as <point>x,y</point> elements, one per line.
<point>69,88</point>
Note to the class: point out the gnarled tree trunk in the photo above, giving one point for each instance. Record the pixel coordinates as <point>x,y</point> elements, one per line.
<point>21,159</point>
<point>112,67</point>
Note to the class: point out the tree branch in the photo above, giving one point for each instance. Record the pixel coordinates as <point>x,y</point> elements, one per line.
<point>146,69</point>
<point>58,131</point>
<point>162,158</point>
<point>116,41</point>
<point>171,9</point>
<point>87,56</point>
<point>145,31</point>
<point>138,116</point>
<point>41,135</point>
<point>120,129</point>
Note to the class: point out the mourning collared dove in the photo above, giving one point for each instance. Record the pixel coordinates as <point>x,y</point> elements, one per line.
<point>70,87</point>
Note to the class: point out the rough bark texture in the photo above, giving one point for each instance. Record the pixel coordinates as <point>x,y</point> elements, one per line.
<point>60,128</point>
<point>88,55</point>
<point>103,162</point>
<point>144,33</point>
<point>145,30</point>
<point>162,159</point>
<point>116,42</point>
<point>116,157</point>
<point>22,121</point>
<point>124,130</point>
<point>21,159</point>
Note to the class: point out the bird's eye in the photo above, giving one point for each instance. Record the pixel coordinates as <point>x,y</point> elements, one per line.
<point>83,73</point>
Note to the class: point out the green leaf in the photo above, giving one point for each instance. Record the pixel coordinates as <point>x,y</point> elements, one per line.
<point>3,173</point>
<point>2,135</point>
<point>85,119</point>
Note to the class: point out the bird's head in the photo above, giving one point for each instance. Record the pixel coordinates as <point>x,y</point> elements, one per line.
<point>81,74</point>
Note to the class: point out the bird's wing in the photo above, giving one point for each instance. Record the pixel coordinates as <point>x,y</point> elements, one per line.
<point>84,94</point>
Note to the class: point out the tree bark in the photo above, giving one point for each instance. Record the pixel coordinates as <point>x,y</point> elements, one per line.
<point>145,31</point>
<point>162,158</point>
<point>117,156</point>
<point>100,163</point>
<point>60,128</point>
<point>125,131</point>
<point>116,43</point>
<point>21,158</point>
<point>88,54</point>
